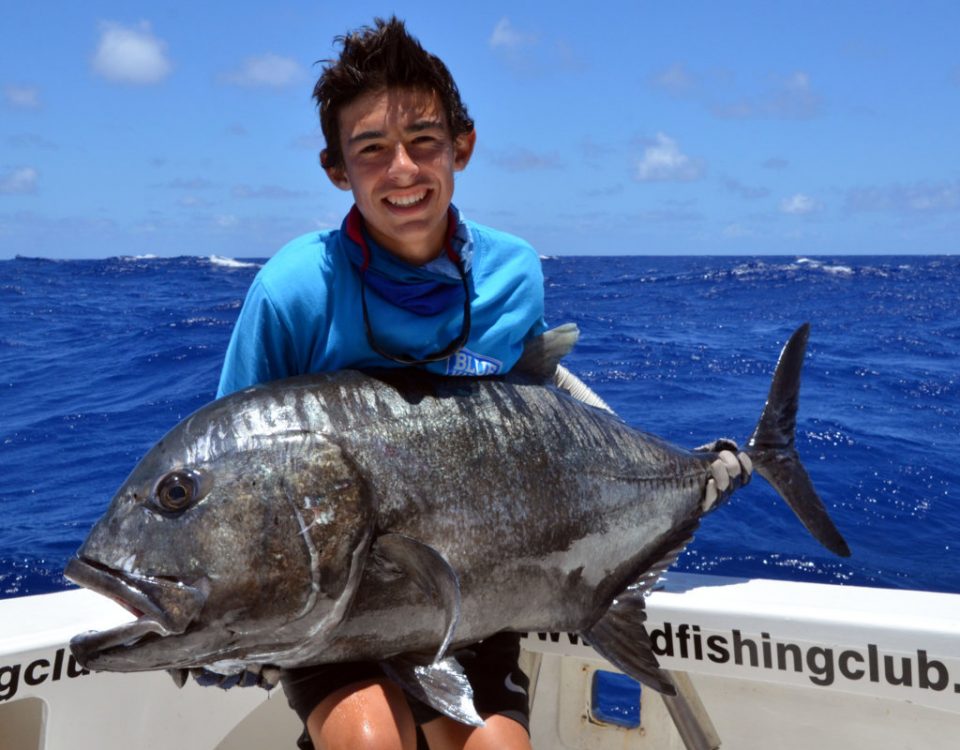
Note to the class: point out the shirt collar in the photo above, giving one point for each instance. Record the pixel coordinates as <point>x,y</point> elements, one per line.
<point>366,253</point>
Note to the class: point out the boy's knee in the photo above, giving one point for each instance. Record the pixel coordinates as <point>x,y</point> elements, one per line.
<point>365,716</point>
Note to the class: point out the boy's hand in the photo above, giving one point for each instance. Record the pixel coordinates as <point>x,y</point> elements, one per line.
<point>265,677</point>
<point>730,471</point>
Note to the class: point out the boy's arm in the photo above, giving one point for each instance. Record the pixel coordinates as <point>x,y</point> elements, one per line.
<point>524,303</point>
<point>261,348</point>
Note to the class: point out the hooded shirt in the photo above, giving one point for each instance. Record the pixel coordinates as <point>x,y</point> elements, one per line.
<point>304,311</point>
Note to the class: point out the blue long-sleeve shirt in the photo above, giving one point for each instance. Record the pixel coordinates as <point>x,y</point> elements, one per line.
<point>303,312</point>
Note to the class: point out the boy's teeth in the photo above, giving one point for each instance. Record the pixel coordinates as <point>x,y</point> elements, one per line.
<point>408,201</point>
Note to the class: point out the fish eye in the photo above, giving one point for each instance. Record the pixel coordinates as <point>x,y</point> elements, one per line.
<point>177,491</point>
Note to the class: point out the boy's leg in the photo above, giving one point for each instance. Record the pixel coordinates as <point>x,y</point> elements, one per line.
<point>498,733</point>
<point>349,705</point>
<point>371,715</point>
<point>500,691</point>
<point>354,703</point>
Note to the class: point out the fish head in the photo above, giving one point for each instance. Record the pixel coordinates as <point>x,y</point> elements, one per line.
<point>234,535</point>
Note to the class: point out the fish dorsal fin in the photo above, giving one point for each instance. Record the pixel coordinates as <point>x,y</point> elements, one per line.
<point>542,354</point>
<point>442,685</point>
<point>432,574</point>
<point>620,636</point>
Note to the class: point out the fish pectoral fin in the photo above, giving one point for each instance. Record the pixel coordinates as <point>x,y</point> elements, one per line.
<point>432,574</point>
<point>542,354</point>
<point>442,685</point>
<point>621,638</point>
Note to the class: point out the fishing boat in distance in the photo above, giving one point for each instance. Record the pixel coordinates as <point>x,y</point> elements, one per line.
<point>775,664</point>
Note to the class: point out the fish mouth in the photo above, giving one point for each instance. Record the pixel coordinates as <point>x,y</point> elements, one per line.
<point>162,606</point>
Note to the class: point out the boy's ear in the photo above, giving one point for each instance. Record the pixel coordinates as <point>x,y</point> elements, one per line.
<point>463,149</point>
<point>337,175</point>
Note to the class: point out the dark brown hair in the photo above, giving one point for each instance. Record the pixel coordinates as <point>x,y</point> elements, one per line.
<point>376,58</point>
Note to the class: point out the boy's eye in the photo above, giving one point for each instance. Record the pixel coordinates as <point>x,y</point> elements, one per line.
<point>426,140</point>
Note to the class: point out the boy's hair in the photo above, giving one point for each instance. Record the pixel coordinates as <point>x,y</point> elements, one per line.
<point>373,59</point>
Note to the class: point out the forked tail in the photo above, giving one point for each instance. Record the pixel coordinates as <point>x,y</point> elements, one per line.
<point>771,447</point>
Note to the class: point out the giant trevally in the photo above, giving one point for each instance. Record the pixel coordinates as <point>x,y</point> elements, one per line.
<point>393,515</point>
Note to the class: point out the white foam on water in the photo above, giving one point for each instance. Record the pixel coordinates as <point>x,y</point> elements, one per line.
<point>219,260</point>
<point>838,270</point>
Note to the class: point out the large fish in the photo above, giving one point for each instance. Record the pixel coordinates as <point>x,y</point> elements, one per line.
<point>392,516</point>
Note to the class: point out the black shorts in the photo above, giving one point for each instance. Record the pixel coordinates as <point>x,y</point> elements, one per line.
<point>499,685</point>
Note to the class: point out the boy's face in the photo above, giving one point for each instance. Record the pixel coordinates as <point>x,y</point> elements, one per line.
<point>399,159</point>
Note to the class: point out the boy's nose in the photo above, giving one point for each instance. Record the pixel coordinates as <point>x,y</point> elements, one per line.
<point>402,166</point>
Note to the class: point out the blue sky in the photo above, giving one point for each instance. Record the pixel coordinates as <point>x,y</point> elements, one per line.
<point>805,128</point>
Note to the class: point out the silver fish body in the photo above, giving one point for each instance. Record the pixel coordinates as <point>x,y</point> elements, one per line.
<point>351,515</point>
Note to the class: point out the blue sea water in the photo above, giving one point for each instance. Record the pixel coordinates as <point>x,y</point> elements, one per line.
<point>99,358</point>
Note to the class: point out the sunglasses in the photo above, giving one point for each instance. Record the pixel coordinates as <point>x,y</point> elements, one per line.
<point>406,359</point>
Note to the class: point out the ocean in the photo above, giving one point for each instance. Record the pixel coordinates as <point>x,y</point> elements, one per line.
<point>99,358</point>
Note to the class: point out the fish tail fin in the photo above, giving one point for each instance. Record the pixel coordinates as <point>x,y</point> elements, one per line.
<point>771,447</point>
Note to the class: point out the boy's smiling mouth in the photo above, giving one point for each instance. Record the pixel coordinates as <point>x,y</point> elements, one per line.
<point>406,201</point>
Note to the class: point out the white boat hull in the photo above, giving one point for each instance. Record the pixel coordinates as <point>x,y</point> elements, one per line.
<point>777,665</point>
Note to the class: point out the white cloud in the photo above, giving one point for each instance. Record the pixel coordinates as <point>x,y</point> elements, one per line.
<point>663,161</point>
<point>676,79</point>
<point>506,36</point>
<point>527,54</point>
<point>19,181</point>
<point>798,204</point>
<point>130,55</point>
<point>193,201</point>
<point>22,97</point>
<point>266,71</point>
<point>789,98</point>
<point>795,97</point>
<point>921,198</point>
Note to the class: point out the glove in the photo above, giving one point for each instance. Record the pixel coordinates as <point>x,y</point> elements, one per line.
<point>729,471</point>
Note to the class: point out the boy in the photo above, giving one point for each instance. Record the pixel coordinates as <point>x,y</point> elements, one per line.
<point>405,281</point>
